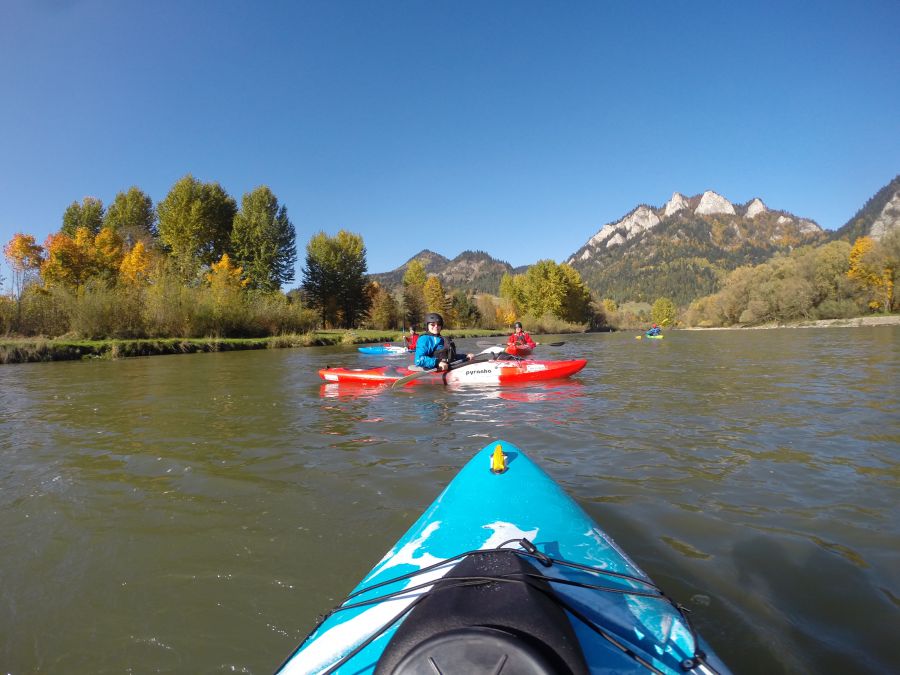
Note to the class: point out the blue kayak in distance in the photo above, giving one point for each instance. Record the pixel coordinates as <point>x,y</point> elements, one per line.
<point>504,573</point>
<point>384,349</point>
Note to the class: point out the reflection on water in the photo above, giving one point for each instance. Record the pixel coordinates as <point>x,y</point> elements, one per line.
<point>195,513</point>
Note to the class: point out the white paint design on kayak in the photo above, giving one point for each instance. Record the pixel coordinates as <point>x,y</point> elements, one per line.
<point>667,629</point>
<point>339,640</point>
<point>602,539</point>
<point>504,532</point>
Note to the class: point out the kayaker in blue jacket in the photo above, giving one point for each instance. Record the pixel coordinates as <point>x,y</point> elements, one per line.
<point>656,330</point>
<point>432,350</point>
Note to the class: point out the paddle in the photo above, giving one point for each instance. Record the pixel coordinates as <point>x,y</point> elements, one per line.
<point>485,343</point>
<point>453,366</point>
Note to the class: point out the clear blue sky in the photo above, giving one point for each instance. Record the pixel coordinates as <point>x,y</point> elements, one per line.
<point>515,127</point>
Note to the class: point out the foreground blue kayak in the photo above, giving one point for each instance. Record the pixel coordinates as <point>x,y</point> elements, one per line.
<point>504,573</point>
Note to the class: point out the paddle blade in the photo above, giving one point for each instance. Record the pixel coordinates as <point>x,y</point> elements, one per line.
<point>409,378</point>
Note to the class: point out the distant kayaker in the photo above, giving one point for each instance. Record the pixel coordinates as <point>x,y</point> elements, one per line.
<point>412,338</point>
<point>520,338</point>
<point>432,350</point>
<point>655,330</point>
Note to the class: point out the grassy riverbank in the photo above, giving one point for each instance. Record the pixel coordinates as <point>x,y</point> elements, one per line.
<point>25,350</point>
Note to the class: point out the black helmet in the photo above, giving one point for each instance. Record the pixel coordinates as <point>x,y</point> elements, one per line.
<point>434,317</point>
<point>517,324</point>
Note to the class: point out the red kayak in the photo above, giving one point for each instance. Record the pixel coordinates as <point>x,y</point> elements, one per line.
<point>476,372</point>
<point>519,350</point>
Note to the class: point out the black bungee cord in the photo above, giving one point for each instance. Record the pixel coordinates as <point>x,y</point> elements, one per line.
<point>531,551</point>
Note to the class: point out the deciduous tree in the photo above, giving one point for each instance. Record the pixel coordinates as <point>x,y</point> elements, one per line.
<point>869,268</point>
<point>87,214</point>
<point>134,270</point>
<point>195,222</point>
<point>225,274</point>
<point>25,257</point>
<point>413,293</point>
<point>434,294</point>
<point>384,313</point>
<point>132,216</point>
<point>663,312</point>
<point>334,278</point>
<point>415,274</point>
<point>69,261</point>
<point>263,240</point>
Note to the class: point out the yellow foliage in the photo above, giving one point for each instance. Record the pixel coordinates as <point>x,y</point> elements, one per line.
<point>22,252</point>
<point>107,250</point>
<point>135,265</point>
<point>224,274</point>
<point>870,268</point>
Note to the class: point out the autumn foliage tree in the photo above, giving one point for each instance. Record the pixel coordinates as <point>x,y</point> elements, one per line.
<point>72,261</point>
<point>195,222</point>
<point>24,256</point>
<point>414,293</point>
<point>384,312</point>
<point>134,270</point>
<point>664,312</point>
<point>870,268</point>
<point>434,294</point>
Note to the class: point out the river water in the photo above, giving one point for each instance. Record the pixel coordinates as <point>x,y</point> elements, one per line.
<point>193,514</point>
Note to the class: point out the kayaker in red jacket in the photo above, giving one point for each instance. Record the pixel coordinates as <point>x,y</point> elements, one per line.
<point>520,338</point>
<point>411,339</point>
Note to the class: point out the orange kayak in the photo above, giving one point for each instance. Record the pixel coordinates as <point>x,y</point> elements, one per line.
<point>476,372</point>
<point>518,350</point>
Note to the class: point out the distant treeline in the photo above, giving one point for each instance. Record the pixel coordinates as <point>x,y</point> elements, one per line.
<point>832,281</point>
<point>194,265</point>
<point>198,265</point>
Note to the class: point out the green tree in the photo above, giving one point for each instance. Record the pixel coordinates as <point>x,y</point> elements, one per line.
<point>334,279</point>
<point>826,268</point>
<point>512,290</point>
<point>576,306</point>
<point>195,222</point>
<point>890,246</point>
<point>384,313</point>
<point>663,312</point>
<point>132,216</point>
<point>263,240</point>
<point>549,288</point>
<point>89,214</point>
<point>465,309</point>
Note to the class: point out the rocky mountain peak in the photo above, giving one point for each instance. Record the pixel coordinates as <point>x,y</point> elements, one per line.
<point>641,219</point>
<point>888,219</point>
<point>712,203</point>
<point>755,207</point>
<point>675,204</point>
